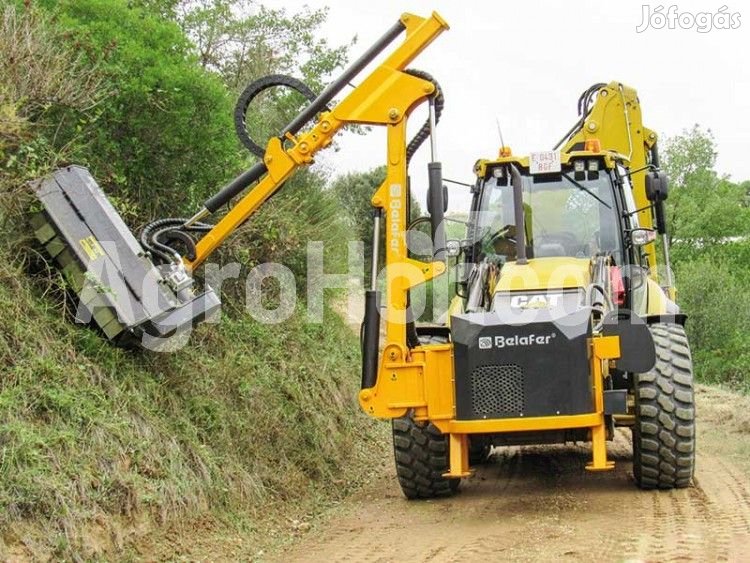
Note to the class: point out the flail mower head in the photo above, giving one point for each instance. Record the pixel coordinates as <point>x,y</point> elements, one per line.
<point>132,300</point>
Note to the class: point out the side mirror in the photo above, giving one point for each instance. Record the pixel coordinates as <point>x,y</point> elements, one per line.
<point>657,190</point>
<point>657,186</point>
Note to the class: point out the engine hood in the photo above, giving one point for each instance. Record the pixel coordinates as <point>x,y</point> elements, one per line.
<point>545,273</point>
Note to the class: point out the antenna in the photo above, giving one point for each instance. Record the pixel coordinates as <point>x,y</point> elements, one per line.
<point>499,132</point>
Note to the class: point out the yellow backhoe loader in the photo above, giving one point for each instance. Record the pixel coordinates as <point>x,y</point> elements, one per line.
<point>561,329</point>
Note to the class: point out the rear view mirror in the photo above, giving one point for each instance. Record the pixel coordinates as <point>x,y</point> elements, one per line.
<point>657,187</point>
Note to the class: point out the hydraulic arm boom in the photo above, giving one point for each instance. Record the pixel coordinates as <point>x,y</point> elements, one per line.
<point>615,120</point>
<point>152,293</point>
<point>385,97</point>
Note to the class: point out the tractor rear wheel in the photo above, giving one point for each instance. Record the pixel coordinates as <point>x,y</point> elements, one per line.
<point>664,431</point>
<point>421,452</point>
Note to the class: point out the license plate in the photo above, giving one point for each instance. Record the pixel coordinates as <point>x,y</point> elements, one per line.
<point>544,162</point>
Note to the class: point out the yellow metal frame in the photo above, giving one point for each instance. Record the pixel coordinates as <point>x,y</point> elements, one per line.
<point>615,119</point>
<point>385,97</point>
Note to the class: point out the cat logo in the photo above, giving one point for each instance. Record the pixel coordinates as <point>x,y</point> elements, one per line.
<point>540,301</point>
<point>91,247</point>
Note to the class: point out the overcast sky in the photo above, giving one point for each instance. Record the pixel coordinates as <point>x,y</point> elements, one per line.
<point>526,63</point>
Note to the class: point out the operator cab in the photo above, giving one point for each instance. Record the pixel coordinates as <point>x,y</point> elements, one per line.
<point>584,210</point>
<point>545,252</point>
<point>565,214</point>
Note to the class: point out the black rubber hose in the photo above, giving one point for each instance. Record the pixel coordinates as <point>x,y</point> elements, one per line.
<point>168,236</point>
<point>584,101</point>
<point>424,131</point>
<point>585,98</point>
<point>253,90</point>
<point>152,232</point>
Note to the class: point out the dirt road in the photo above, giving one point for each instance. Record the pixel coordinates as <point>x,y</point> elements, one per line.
<point>538,503</point>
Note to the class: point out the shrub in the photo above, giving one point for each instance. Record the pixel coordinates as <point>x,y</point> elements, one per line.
<point>163,137</point>
<point>717,302</point>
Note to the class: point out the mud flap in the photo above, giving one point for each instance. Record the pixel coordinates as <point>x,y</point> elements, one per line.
<point>637,351</point>
<point>117,285</point>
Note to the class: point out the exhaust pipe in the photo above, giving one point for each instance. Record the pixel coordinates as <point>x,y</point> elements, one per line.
<point>517,182</point>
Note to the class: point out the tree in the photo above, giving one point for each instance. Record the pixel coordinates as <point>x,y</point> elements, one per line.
<point>162,140</point>
<point>241,40</point>
<point>703,207</point>
<point>709,221</point>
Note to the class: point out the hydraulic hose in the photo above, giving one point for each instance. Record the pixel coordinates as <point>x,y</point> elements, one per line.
<point>438,101</point>
<point>171,228</point>
<point>251,176</point>
<point>252,91</point>
<point>584,108</point>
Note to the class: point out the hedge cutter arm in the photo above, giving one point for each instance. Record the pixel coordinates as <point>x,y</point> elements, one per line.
<point>386,97</point>
<point>141,290</point>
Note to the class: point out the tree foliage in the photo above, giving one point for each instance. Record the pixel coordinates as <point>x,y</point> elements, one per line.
<point>709,225</point>
<point>704,207</point>
<point>242,40</point>
<point>161,138</point>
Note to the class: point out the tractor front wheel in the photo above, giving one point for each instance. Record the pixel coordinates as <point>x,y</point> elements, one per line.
<point>664,431</point>
<point>421,452</point>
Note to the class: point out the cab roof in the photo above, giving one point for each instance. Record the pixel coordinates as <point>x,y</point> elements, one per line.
<point>611,158</point>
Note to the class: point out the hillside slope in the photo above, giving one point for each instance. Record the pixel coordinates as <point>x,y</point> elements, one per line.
<point>99,446</point>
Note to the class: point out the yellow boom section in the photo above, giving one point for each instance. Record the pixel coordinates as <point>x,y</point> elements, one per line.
<point>385,97</point>
<point>615,119</point>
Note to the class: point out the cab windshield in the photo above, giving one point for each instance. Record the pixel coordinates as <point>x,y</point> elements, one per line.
<point>564,216</point>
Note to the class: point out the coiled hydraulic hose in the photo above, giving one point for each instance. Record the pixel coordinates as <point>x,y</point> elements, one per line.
<point>252,91</point>
<point>424,131</point>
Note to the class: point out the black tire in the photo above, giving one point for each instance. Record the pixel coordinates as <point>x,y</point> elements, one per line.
<point>479,450</point>
<point>421,453</point>
<point>664,431</point>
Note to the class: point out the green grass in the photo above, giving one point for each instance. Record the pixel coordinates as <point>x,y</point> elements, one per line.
<point>247,417</point>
